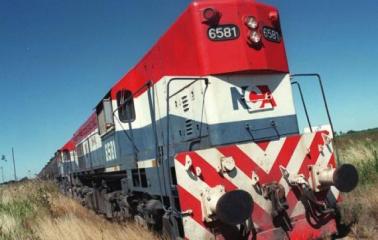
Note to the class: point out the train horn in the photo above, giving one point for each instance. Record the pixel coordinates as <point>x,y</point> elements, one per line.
<point>344,177</point>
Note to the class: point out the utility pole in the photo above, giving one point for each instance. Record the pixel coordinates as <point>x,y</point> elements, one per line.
<point>3,158</point>
<point>2,174</point>
<point>14,165</point>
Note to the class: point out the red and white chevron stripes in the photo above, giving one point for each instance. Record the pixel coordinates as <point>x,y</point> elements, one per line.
<point>198,170</point>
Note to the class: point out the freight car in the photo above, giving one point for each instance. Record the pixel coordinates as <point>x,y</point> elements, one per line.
<point>200,140</point>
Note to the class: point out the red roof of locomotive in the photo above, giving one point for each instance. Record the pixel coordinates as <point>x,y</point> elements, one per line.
<point>185,50</point>
<point>69,146</point>
<point>86,129</point>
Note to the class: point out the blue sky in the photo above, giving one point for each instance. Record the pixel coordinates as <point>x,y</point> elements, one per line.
<point>58,58</point>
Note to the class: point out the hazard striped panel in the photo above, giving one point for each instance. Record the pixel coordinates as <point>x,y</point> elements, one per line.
<point>199,170</point>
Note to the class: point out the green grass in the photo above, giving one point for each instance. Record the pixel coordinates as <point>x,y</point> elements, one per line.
<point>360,206</point>
<point>19,207</point>
<point>368,171</point>
<point>361,149</point>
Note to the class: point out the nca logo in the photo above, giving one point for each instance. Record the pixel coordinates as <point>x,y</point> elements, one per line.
<point>253,98</point>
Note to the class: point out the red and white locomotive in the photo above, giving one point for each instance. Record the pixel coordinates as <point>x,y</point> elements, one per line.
<point>200,139</point>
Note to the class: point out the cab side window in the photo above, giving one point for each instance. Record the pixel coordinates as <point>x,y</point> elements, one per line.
<point>125,104</point>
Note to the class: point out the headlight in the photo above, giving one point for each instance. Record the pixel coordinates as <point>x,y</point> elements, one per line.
<point>209,13</point>
<point>255,37</point>
<point>251,22</point>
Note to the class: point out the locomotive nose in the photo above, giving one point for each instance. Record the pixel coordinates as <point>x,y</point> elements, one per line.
<point>234,207</point>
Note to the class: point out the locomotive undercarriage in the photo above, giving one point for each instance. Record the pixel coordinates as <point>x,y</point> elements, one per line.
<point>108,199</point>
<point>103,193</point>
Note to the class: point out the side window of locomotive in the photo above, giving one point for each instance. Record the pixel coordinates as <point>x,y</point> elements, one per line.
<point>66,155</point>
<point>105,116</point>
<point>135,177</point>
<point>125,104</point>
<point>143,177</point>
<point>80,155</point>
<point>139,177</point>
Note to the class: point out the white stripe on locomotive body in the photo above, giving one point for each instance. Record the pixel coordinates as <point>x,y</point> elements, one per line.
<point>223,118</point>
<point>237,177</point>
<point>333,194</point>
<point>190,182</point>
<point>265,159</point>
<point>297,158</point>
<point>194,230</point>
<point>222,110</point>
<point>150,163</point>
<point>218,99</point>
<point>195,186</point>
<point>219,105</point>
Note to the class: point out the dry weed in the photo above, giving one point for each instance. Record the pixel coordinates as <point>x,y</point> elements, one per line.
<point>62,206</point>
<point>36,210</point>
<point>73,227</point>
<point>73,221</point>
<point>7,224</point>
<point>361,208</point>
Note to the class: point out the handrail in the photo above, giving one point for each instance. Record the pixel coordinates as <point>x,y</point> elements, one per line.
<point>168,97</point>
<point>316,75</point>
<point>323,94</point>
<point>303,103</point>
